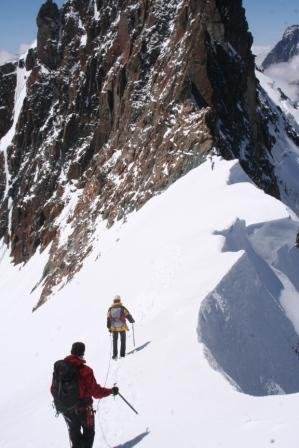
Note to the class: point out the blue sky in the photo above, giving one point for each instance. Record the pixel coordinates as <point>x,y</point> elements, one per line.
<point>18,22</point>
<point>267,20</point>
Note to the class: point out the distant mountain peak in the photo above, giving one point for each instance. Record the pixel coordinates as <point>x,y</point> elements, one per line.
<point>285,49</point>
<point>290,31</point>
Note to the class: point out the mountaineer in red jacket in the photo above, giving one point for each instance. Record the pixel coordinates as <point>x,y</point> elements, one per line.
<point>79,417</point>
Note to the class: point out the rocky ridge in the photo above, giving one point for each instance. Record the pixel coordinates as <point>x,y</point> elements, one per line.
<point>123,98</point>
<point>8,80</point>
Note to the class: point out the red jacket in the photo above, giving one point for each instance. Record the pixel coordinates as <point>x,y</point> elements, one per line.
<point>88,386</point>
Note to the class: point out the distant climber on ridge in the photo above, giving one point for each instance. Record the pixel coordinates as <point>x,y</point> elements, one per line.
<point>297,240</point>
<point>116,323</point>
<point>73,386</point>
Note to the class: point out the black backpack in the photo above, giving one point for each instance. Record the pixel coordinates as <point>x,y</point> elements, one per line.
<point>65,386</point>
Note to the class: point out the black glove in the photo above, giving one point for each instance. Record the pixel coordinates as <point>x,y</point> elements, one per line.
<point>114,390</point>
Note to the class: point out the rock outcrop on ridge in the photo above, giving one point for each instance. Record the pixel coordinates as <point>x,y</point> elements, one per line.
<point>8,80</point>
<point>122,98</point>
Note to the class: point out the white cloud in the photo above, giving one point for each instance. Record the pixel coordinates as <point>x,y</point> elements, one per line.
<point>289,71</point>
<point>24,47</point>
<point>286,74</point>
<point>260,51</point>
<point>5,56</point>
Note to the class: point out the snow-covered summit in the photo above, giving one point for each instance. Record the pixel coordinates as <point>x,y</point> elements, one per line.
<point>290,31</point>
<point>285,49</point>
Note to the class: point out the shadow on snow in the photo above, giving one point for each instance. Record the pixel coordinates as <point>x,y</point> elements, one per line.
<point>134,441</point>
<point>137,349</point>
<point>245,330</point>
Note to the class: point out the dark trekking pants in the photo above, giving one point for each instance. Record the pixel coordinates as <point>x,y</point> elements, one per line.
<point>81,427</point>
<point>122,343</point>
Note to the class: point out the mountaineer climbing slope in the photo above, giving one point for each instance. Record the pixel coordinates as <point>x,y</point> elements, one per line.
<point>116,324</point>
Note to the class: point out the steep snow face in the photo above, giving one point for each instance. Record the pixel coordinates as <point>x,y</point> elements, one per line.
<point>242,322</point>
<point>163,262</point>
<point>284,135</point>
<point>277,97</point>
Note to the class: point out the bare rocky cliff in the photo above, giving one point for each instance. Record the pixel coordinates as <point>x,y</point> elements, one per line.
<point>122,98</point>
<point>8,80</point>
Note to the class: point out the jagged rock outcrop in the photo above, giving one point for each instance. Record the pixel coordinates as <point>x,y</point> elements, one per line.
<point>48,23</point>
<point>285,49</point>
<point>123,98</point>
<point>31,59</point>
<point>8,79</point>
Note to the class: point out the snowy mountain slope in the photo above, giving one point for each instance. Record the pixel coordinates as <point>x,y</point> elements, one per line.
<point>164,261</point>
<point>122,99</point>
<point>278,97</point>
<point>283,129</point>
<point>242,321</point>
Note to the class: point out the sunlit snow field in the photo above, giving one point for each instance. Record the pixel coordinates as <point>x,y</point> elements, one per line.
<point>164,261</point>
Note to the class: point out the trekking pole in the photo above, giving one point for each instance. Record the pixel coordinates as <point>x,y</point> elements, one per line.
<point>130,406</point>
<point>133,335</point>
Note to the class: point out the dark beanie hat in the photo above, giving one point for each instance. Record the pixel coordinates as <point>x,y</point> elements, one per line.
<point>78,349</point>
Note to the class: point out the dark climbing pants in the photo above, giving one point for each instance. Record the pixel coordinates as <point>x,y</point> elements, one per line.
<point>122,343</point>
<point>81,427</point>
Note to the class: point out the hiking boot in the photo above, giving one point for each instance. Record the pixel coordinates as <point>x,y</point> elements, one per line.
<point>114,357</point>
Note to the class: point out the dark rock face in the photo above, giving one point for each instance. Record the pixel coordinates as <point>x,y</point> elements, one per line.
<point>285,49</point>
<point>31,59</point>
<point>241,129</point>
<point>48,23</point>
<point>8,79</point>
<point>123,98</point>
